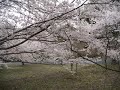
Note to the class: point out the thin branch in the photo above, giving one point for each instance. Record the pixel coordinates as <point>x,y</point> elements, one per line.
<point>95,62</point>
<point>87,58</point>
<point>41,40</point>
<point>22,52</point>
<point>25,39</point>
<point>42,22</point>
<point>73,1</point>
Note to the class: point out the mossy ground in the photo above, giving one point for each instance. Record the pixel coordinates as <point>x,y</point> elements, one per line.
<point>56,77</point>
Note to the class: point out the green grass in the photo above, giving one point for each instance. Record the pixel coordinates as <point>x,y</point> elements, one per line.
<point>56,77</point>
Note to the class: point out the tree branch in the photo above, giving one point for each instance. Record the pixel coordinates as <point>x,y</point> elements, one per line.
<point>87,58</point>
<point>25,39</point>
<point>42,22</point>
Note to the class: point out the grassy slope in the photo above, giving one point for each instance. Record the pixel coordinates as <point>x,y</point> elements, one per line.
<point>55,77</point>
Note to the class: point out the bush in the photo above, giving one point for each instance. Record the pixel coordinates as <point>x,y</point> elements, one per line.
<point>4,66</point>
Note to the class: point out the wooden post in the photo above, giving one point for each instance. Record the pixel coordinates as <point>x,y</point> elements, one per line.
<point>71,65</point>
<point>76,67</point>
<point>118,64</point>
<point>23,63</point>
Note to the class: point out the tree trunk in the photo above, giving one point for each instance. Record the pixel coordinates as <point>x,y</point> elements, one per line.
<point>23,63</point>
<point>76,67</point>
<point>71,66</point>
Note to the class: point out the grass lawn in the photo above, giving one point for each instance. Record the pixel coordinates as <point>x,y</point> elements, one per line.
<point>56,77</point>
